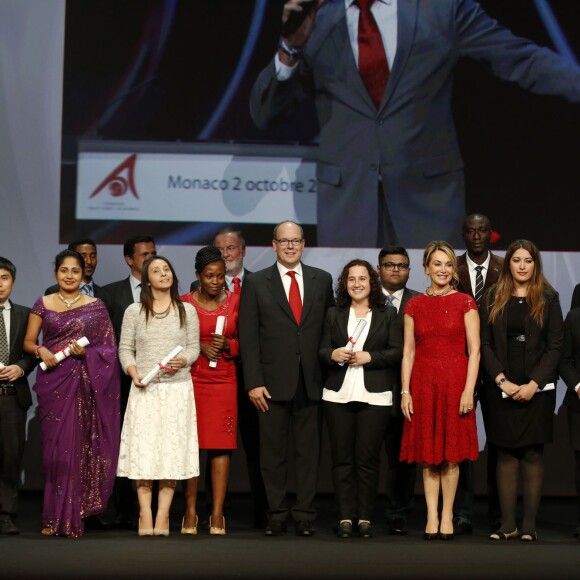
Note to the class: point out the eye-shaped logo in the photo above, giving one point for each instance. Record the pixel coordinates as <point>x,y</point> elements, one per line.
<point>121,180</point>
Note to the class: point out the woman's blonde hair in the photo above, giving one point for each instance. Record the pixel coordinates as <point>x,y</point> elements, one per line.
<point>446,248</point>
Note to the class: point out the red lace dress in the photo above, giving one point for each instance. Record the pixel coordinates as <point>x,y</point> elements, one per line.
<point>437,432</point>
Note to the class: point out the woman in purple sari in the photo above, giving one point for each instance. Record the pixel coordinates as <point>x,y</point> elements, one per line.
<point>78,400</point>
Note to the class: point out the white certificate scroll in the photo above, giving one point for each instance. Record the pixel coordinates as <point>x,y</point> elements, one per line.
<point>153,372</point>
<point>62,354</point>
<point>219,328</point>
<point>548,387</point>
<point>355,335</point>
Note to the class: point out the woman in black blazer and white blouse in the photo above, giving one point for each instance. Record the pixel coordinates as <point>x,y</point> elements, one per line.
<point>357,396</point>
<point>522,334</point>
<point>570,373</point>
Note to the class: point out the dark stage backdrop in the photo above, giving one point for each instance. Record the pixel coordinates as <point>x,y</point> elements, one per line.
<point>181,71</point>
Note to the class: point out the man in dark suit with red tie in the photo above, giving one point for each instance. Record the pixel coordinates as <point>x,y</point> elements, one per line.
<point>381,73</point>
<point>478,270</point>
<point>280,325</point>
<point>14,396</point>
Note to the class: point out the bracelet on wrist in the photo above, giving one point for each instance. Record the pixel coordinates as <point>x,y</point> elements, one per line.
<point>36,349</point>
<point>294,53</point>
<point>405,392</point>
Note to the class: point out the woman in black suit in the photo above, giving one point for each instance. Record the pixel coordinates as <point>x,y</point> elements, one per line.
<point>357,396</point>
<point>570,373</point>
<point>522,338</point>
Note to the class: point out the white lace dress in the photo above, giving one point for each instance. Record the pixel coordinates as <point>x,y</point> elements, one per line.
<point>159,436</point>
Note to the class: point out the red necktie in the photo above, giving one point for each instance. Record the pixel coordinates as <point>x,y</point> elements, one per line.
<point>237,287</point>
<point>294,297</point>
<point>372,60</point>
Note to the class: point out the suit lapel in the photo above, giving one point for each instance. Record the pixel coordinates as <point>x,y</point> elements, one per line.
<point>309,279</point>
<point>276,288</point>
<point>406,26</point>
<point>376,320</point>
<point>15,322</point>
<point>341,322</point>
<point>493,272</point>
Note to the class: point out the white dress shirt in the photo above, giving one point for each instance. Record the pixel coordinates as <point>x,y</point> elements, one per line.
<point>230,280</point>
<point>287,280</point>
<point>471,265</point>
<point>397,297</point>
<point>135,288</point>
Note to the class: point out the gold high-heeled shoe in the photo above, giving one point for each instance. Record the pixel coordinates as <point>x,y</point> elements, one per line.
<point>189,531</point>
<point>215,531</point>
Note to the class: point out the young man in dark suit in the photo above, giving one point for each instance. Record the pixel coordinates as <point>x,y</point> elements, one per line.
<point>117,297</point>
<point>478,270</point>
<point>14,396</point>
<point>280,325</point>
<point>394,269</point>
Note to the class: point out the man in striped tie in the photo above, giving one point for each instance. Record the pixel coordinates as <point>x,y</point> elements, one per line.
<point>478,269</point>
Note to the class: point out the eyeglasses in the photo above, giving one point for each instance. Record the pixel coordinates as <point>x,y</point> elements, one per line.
<point>395,266</point>
<point>295,242</point>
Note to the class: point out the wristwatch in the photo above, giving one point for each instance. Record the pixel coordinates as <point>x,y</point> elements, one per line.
<point>501,382</point>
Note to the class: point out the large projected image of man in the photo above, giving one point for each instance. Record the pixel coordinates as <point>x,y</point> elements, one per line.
<point>381,74</point>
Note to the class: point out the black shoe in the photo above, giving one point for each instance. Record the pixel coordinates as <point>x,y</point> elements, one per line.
<point>577,532</point>
<point>304,528</point>
<point>275,528</point>
<point>344,530</point>
<point>125,522</point>
<point>446,537</point>
<point>8,527</point>
<point>97,523</point>
<point>462,527</point>
<point>364,530</point>
<point>397,527</point>
<point>496,526</point>
<point>431,536</point>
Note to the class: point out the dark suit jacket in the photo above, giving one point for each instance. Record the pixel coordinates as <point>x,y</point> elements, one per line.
<point>384,343</point>
<point>273,345</point>
<point>575,297</point>
<point>544,344</point>
<point>117,297</point>
<point>495,265</point>
<point>570,364</point>
<point>18,324</point>
<point>411,138</point>
<point>195,284</point>
<point>98,290</point>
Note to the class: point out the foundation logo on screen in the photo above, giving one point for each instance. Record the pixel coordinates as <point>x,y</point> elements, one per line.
<point>121,180</point>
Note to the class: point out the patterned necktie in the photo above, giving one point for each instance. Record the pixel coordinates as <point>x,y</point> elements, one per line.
<point>4,352</point>
<point>294,297</point>
<point>478,294</point>
<point>372,60</point>
<point>237,287</point>
<point>391,300</point>
<point>86,289</point>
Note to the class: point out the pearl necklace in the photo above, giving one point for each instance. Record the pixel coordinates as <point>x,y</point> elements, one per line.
<point>430,292</point>
<point>69,303</point>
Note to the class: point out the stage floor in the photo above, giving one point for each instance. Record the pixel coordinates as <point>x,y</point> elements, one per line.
<point>246,553</point>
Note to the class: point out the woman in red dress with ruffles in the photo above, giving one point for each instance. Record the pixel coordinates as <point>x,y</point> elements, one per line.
<point>438,382</point>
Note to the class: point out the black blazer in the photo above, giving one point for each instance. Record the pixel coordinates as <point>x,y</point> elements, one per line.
<point>570,364</point>
<point>543,344</point>
<point>575,297</point>
<point>117,297</point>
<point>384,343</point>
<point>273,345</point>
<point>98,290</point>
<point>18,324</point>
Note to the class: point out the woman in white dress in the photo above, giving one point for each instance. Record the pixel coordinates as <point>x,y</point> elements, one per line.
<point>159,437</point>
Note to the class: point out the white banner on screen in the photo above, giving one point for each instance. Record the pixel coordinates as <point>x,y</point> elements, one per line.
<point>190,187</point>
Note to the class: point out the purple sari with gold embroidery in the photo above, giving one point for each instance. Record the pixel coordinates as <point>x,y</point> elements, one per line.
<point>78,404</point>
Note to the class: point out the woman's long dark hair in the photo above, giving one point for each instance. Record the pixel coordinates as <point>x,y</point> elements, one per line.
<point>376,297</point>
<point>147,295</point>
<point>504,288</point>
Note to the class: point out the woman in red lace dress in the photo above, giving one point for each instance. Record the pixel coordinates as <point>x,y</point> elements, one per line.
<point>214,384</point>
<point>438,382</point>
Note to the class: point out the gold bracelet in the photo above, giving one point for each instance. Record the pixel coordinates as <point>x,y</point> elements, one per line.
<point>405,392</point>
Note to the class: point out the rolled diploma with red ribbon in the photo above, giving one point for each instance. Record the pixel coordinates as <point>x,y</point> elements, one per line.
<point>65,353</point>
<point>153,372</point>
<point>219,328</point>
<point>355,335</point>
